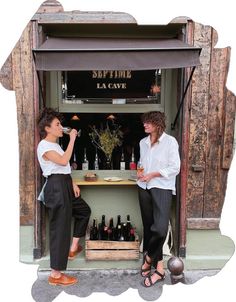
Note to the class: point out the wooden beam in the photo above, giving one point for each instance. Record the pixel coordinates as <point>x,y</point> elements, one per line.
<point>78,17</point>
<point>184,153</point>
<point>228,128</point>
<point>203,223</point>
<point>6,74</point>
<point>215,176</point>
<point>50,6</point>
<point>23,84</point>
<point>198,122</point>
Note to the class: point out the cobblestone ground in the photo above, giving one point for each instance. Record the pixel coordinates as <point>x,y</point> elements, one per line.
<point>112,282</point>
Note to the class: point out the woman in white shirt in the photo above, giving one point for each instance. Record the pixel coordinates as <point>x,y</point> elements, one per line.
<point>61,196</point>
<point>159,157</point>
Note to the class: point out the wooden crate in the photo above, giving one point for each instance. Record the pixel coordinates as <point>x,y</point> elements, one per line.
<point>111,250</point>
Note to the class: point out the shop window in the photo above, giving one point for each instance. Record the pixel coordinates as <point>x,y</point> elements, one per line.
<point>111,87</point>
<point>132,129</point>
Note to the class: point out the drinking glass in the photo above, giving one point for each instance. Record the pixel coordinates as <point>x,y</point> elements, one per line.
<point>67,130</point>
<point>140,167</point>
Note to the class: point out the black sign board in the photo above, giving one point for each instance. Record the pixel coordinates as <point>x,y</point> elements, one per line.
<point>111,84</point>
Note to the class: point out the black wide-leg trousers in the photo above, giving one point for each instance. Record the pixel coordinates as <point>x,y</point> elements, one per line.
<point>62,206</point>
<point>155,206</point>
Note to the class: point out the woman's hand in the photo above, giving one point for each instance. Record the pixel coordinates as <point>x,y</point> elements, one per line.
<point>147,177</point>
<point>73,134</point>
<point>139,175</point>
<point>76,190</point>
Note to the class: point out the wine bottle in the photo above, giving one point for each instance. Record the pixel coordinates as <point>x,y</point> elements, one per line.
<point>122,161</point>
<point>118,232</point>
<point>96,166</point>
<point>104,229</point>
<point>94,230</point>
<point>74,165</point>
<point>100,231</point>
<point>118,228</point>
<point>128,228</point>
<point>110,230</point>
<point>85,163</point>
<point>132,235</point>
<point>132,164</point>
<point>122,233</point>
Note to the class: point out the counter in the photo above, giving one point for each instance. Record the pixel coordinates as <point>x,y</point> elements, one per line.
<point>111,198</point>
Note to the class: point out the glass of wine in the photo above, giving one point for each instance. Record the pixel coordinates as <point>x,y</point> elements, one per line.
<point>140,167</point>
<point>67,130</point>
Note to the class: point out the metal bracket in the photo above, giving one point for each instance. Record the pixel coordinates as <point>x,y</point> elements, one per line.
<point>182,99</point>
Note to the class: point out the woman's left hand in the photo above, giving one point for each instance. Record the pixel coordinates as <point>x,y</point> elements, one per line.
<point>76,190</point>
<point>147,177</point>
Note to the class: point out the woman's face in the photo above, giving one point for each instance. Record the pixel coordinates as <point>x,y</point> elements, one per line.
<point>55,128</point>
<point>149,127</point>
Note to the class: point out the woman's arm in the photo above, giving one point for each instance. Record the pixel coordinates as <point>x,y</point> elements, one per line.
<point>62,159</point>
<point>173,167</point>
<point>147,177</point>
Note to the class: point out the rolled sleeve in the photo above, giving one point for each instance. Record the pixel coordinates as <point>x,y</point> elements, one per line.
<point>173,167</point>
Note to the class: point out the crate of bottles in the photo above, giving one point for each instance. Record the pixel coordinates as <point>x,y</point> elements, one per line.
<point>111,243</point>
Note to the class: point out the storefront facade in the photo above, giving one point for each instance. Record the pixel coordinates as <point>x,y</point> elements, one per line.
<point>204,128</point>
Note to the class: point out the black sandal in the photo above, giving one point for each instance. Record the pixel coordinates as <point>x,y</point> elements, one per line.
<point>149,278</point>
<point>144,270</point>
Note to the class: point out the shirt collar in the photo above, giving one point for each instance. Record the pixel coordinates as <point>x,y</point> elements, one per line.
<point>148,141</point>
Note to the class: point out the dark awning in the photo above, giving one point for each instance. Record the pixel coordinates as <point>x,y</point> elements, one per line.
<point>114,54</point>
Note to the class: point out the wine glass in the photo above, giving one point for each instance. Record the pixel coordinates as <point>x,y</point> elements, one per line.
<point>67,130</point>
<point>140,167</point>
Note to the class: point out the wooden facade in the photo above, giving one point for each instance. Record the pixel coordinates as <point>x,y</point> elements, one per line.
<point>211,132</point>
<point>207,119</point>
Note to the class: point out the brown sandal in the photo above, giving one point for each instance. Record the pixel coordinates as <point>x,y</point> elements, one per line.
<point>144,270</point>
<point>149,278</point>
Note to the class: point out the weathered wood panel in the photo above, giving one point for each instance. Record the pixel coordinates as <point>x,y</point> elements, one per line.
<point>112,254</point>
<point>23,84</point>
<point>228,128</point>
<point>111,250</point>
<point>212,115</point>
<point>198,123</point>
<point>215,186</point>
<point>111,245</point>
<point>203,223</point>
<point>78,17</point>
<point>184,153</point>
<point>6,74</point>
<point>50,6</point>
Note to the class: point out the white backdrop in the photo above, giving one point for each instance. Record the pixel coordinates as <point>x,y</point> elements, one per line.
<point>16,278</point>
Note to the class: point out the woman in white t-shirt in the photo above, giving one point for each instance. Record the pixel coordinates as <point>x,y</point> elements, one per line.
<point>61,196</point>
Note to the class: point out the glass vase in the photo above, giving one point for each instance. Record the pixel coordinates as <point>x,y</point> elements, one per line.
<point>108,164</point>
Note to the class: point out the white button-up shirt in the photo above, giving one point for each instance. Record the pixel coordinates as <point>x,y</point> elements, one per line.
<point>162,157</point>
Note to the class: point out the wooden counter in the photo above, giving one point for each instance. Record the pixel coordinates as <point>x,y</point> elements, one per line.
<point>102,182</point>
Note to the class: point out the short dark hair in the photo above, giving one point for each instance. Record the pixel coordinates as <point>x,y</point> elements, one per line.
<point>45,118</point>
<point>155,117</point>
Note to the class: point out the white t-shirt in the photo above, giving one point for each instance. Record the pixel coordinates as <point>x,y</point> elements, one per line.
<point>163,157</point>
<point>48,167</point>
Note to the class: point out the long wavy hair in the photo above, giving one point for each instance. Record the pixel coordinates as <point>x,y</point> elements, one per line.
<point>156,118</point>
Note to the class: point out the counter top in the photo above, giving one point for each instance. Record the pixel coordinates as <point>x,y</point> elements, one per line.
<point>101,182</point>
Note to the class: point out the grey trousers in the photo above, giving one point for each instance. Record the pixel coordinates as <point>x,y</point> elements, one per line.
<point>155,206</point>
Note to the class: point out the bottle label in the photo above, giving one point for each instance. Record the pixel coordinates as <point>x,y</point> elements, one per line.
<point>122,165</point>
<point>84,166</point>
<point>132,166</point>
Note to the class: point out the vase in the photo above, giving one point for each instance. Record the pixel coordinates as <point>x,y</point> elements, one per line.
<point>108,164</point>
